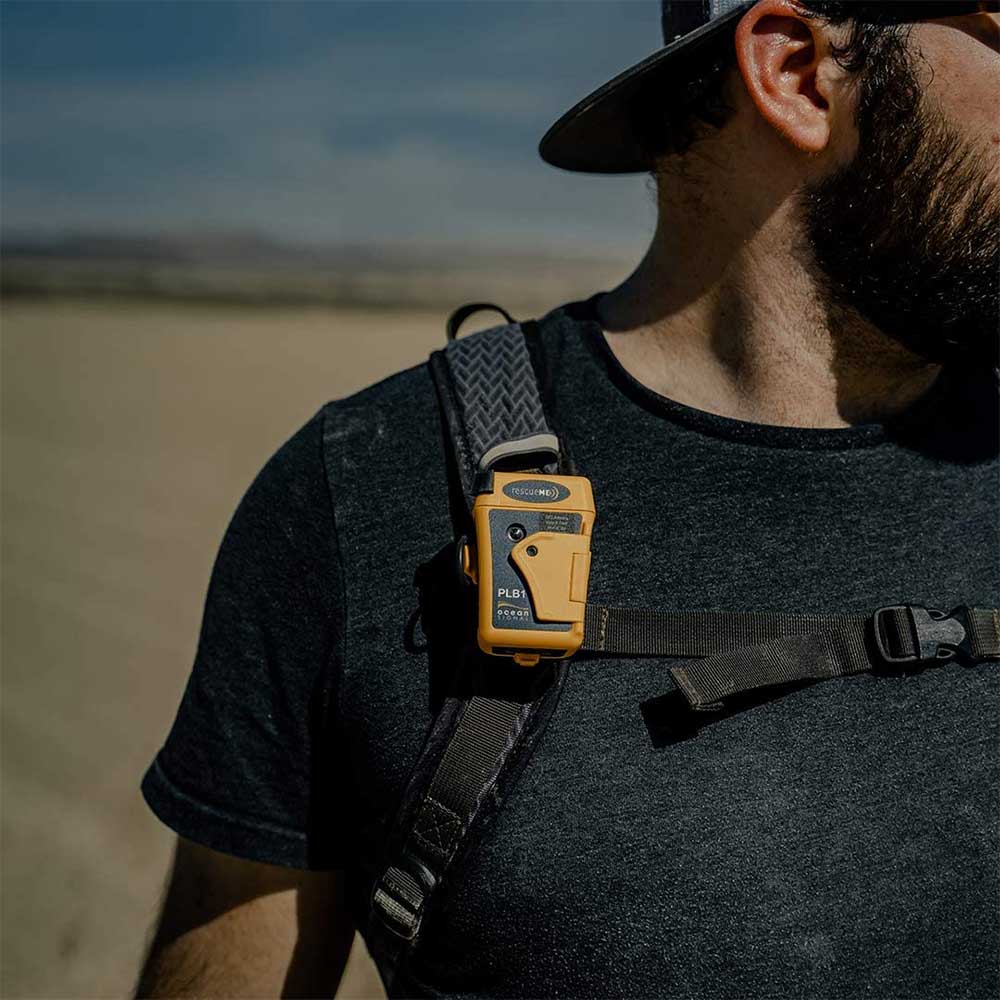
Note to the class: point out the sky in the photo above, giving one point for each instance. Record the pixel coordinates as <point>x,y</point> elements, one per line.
<point>314,121</point>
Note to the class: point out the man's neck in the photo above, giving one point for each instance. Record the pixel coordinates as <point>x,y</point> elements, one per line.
<point>748,334</point>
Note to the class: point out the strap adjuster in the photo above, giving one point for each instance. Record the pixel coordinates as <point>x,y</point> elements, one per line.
<point>398,898</point>
<point>913,634</point>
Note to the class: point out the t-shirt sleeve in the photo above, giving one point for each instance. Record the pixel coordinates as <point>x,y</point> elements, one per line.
<point>250,764</point>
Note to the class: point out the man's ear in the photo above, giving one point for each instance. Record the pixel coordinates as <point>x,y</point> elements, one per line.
<point>789,72</point>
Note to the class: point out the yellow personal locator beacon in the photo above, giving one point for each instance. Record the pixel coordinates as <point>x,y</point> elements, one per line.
<point>531,563</point>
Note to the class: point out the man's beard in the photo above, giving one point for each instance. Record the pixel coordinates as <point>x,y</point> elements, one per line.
<point>908,233</point>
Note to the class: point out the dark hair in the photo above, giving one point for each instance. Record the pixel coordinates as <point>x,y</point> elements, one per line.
<point>696,84</point>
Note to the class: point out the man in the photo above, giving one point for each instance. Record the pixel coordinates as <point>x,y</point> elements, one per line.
<point>789,405</point>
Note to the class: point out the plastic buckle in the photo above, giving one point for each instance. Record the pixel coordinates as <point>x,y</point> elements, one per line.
<point>932,635</point>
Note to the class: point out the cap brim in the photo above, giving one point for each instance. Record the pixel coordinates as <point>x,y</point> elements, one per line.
<point>597,134</point>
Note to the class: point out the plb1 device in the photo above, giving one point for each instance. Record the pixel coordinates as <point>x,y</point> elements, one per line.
<point>531,563</point>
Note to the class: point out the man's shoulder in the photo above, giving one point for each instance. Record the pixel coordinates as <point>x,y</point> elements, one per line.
<point>388,414</point>
<point>394,390</point>
<point>400,412</point>
<point>382,437</point>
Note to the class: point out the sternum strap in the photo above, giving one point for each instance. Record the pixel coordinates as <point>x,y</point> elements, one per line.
<point>646,632</point>
<point>729,653</point>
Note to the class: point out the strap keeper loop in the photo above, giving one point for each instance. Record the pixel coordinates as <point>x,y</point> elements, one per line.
<point>398,899</point>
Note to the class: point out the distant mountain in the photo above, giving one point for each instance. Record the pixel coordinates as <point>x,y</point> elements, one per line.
<point>252,268</point>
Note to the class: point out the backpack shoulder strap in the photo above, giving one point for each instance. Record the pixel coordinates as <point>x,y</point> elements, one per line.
<point>477,745</point>
<point>490,399</point>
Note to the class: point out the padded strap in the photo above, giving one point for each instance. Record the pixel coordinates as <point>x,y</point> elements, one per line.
<point>477,746</point>
<point>489,393</point>
<point>475,752</point>
<point>466,754</point>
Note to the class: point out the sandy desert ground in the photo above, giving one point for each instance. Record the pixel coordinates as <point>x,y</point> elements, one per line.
<point>130,431</point>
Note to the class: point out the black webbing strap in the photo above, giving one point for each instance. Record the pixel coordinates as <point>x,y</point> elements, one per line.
<point>746,651</point>
<point>477,745</point>
<point>984,625</point>
<point>645,632</point>
<point>822,655</point>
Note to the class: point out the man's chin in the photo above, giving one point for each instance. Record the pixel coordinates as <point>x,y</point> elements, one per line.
<point>936,313</point>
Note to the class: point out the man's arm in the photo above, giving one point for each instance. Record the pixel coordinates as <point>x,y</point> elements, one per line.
<point>235,928</point>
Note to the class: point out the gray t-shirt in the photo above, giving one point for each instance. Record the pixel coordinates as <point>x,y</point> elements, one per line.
<point>836,840</point>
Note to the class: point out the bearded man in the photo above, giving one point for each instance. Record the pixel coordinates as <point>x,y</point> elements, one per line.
<point>792,404</point>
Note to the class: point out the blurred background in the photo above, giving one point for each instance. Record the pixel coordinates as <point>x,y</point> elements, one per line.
<point>214,217</point>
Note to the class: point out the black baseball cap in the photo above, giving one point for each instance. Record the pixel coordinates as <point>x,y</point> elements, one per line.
<point>598,134</point>
<point>601,134</point>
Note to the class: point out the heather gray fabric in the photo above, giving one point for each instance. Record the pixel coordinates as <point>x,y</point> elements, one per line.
<point>840,840</point>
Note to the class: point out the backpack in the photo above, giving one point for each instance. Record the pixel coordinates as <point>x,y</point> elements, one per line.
<point>490,712</point>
